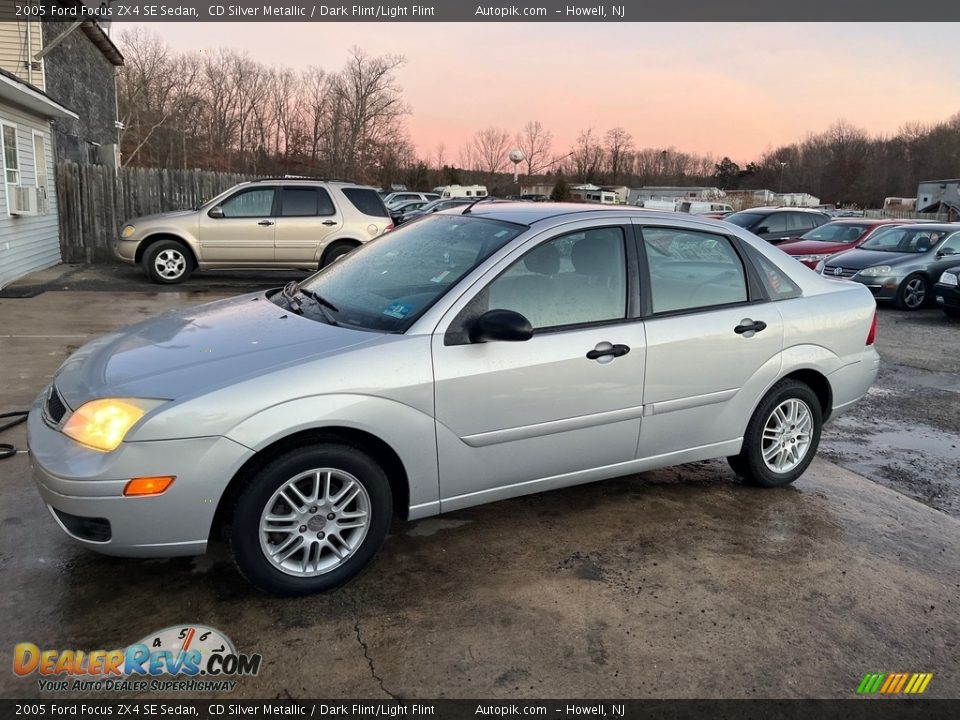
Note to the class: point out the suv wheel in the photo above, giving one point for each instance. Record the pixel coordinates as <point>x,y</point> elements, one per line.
<point>782,436</point>
<point>168,262</point>
<point>311,519</point>
<point>336,251</point>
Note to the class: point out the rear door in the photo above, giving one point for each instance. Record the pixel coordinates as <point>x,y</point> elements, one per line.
<point>244,235</point>
<point>306,218</point>
<point>713,340</point>
<point>773,227</point>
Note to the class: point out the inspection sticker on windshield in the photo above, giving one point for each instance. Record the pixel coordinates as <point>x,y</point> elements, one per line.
<point>398,310</point>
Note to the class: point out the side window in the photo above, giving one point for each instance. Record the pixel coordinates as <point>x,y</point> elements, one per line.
<point>571,280</point>
<point>299,202</point>
<point>11,155</point>
<point>775,222</point>
<point>799,222</point>
<point>953,243</point>
<point>778,285</point>
<point>249,204</point>
<point>690,269</point>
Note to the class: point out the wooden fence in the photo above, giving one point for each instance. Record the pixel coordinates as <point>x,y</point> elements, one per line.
<point>94,201</point>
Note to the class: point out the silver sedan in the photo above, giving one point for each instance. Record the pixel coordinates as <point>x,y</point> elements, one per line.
<point>470,357</point>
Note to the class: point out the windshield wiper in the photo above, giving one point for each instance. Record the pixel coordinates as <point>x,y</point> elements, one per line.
<point>289,294</point>
<point>322,303</point>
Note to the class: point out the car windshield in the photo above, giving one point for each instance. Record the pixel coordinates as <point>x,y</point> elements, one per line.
<point>836,233</point>
<point>905,240</point>
<point>388,283</point>
<point>743,219</point>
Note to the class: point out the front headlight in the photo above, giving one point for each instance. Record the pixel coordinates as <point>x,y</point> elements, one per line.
<point>877,271</point>
<point>948,278</point>
<point>820,266</point>
<point>102,424</point>
<point>128,231</point>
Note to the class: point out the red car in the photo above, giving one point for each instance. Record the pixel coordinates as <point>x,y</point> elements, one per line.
<point>833,237</point>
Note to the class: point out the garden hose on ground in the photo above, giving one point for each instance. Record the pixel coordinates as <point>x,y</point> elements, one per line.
<point>17,417</point>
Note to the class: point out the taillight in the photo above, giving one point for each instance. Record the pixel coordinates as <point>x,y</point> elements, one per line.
<point>388,228</point>
<point>872,335</point>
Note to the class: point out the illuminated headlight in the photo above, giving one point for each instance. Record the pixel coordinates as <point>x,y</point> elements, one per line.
<point>948,278</point>
<point>820,265</point>
<point>102,424</point>
<point>878,271</point>
<point>810,258</point>
<point>128,231</point>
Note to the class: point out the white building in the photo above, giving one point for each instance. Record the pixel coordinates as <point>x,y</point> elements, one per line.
<point>29,233</point>
<point>796,199</point>
<point>668,193</point>
<point>593,194</point>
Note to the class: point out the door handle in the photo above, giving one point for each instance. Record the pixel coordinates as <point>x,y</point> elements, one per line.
<point>605,349</point>
<point>329,222</point>
<point>748,327</point>
<point>265,223</point>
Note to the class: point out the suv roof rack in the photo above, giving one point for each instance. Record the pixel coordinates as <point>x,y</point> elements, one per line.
<point>305,177</point>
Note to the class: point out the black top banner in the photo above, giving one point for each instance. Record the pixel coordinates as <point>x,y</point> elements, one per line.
<point>540,11</point>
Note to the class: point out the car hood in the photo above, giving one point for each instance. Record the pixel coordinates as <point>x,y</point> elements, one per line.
<point>859,259</point>
<point>812,247</point>
<point>161,216</point>
<point>196,350</point>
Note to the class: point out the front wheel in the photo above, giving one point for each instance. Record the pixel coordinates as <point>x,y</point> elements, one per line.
<point>782,436</point>
<point>168,262</point>
<point>310,520</point>
<point>913,293</point>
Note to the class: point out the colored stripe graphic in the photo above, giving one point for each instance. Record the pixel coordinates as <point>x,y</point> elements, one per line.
<point>894,683</point>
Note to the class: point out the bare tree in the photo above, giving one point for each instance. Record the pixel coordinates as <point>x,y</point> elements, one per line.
<point>587,156</point>
<point>535,143</point>
<point>492,147</point>
<point>440,155</point>
<point>618,144</point>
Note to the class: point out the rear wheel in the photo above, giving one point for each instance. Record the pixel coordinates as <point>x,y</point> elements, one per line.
<point>913,293</point>
<point>168,262</point>
<point>335,251</point>
<point>782,436</point>
<point>310,520</point>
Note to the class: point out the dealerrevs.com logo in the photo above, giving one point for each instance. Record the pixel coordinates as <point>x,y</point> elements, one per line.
<point>187,658</point>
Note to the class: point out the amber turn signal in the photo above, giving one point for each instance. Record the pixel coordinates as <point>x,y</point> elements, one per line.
<point>148,485</point>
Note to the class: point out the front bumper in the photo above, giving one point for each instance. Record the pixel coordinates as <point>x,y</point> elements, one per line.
<point>883,288</point>
<point>83,488</point>
<point>125,250</point>
<point>947,296</point>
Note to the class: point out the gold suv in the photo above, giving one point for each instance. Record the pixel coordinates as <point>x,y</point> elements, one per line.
<point>273,224</point>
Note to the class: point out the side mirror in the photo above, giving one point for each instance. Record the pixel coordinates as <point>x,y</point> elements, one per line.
<point>216,212</point>
<point>946,251</point>
<point>505,325</point>
<point>762,230</point>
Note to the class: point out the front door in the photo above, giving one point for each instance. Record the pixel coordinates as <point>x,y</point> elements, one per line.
<point>243,235</point>
<point>306,219</point>
<point>519,417</point>
<point>713,341</point>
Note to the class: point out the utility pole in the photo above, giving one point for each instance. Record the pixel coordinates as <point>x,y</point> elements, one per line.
<point>782,166</point>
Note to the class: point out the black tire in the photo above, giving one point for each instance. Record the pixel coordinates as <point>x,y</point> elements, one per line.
<point>749,464</point>
<point>179,262</point>
<point>242,530</point>
<point>952,312</point>
<point>913,293</point>
<point>337,250</point>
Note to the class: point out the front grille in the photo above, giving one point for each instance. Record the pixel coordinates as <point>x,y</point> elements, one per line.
<point>56,408</point>
<point>831,272</point>
<point>93,529</point>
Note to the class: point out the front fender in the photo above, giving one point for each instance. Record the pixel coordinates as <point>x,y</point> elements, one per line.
<point>408,431</point>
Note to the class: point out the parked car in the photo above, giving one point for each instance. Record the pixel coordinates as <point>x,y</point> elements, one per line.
<point>836,236</point>
<point>398,198</point>
<point>692,207</point>
<point>535,197</point>
<point>777,224</point>
<point>267,224</point>
<point>433,207</point>
<point>947,291</point>
<point>297,421</point>
<point>899,264</point>
<point>397,211</point>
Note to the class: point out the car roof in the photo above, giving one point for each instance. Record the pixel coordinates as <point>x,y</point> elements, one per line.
<point>768,210</point>
<point>526,213</point>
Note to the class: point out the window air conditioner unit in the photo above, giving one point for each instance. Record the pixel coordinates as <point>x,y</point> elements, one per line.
<point>22,200</point>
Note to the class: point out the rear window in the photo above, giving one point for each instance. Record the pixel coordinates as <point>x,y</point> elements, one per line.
<point>366,201</point>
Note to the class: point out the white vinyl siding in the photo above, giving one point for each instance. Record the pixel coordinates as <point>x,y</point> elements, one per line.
<point>28,243</point>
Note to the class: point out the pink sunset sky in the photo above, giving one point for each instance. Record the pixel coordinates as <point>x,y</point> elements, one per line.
<point>723,88</point>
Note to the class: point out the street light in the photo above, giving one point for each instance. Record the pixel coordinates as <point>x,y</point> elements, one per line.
<point>782,166</point>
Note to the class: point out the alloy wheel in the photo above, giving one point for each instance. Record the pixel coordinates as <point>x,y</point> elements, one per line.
<point>914,293</point>
<point>170,264</point>
<point>786,435</point>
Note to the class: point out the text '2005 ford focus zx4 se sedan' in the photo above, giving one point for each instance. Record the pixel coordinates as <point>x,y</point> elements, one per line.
<point>469,357</point>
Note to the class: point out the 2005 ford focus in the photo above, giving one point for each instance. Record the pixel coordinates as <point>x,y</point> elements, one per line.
<point>463,359</point>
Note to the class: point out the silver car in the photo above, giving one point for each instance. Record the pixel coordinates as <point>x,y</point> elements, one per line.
<point>273,224</point>
<point>466,358</point>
